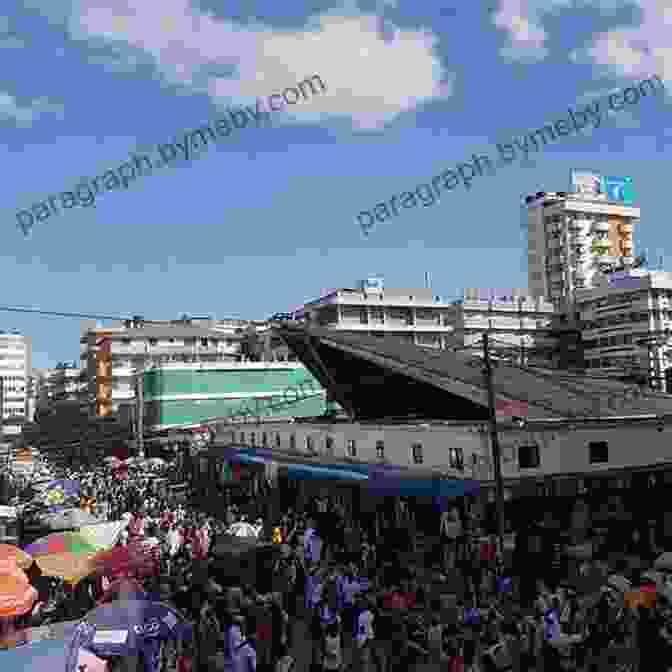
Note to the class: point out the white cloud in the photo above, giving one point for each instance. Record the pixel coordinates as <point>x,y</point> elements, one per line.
<point>25,115</point>
<point>641,51</point>
<point>369,79</point>
<point>633,52</point>
<point>12,42</point>
<point>522,19</point>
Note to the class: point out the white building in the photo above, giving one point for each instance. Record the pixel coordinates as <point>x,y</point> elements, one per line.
<point>15,367</point>
<point>113,355</point>
<point>626,325</point>
<point>514,320</point>
<point>572,238</point>
<point>415,315</point>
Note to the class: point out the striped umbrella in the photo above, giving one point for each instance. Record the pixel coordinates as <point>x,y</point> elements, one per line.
<point>68,555</point>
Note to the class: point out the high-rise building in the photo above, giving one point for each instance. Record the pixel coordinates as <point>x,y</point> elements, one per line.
<point>573,238</point>
<point>15,367</point>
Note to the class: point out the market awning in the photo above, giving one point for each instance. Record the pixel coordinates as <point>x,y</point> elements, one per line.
<point>309,472</point>
<point>390,485</point>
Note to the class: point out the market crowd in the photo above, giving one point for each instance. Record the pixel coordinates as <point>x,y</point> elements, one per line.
<point>334,595</point>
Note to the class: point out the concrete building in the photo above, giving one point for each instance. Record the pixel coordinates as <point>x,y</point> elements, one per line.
<point>114,354</point>
<point>626,324</point>
<point>572,239</point>
<point>516,322</point>
<point>414,315</point>
<point>15,367</point>
<point>182,395</point>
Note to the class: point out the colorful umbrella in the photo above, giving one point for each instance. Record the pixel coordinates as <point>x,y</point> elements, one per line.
<point>68,555</point>
<point>58,492</point>
<point>13,557</point>
<point>17,596</point>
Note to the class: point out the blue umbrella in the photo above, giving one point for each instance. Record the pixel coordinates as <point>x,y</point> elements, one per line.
<point>126,628</point>
<point>41,655</point>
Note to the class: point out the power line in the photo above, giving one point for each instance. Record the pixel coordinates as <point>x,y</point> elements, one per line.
<point>54,313</point>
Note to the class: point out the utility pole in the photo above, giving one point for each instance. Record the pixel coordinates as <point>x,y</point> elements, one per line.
<point>140,413</point>
<point>494,440</point>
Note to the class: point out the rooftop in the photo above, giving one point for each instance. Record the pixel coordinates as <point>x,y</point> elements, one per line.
<point>378,378</point>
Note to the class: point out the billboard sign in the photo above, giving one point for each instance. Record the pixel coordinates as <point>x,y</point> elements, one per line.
<point>587,185</point>
<point>373,285</point>
<point>618,189</point>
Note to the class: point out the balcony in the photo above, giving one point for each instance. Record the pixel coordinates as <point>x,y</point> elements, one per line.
<point>601,247</point>
<point>625,228</point>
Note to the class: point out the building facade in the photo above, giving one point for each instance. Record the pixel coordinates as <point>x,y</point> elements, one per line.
<point>413,315</point>
<point>578,471</point>
<point>572,240</point>
<point>517,323</point>
<point>15,369</point>
<point>178,395</point>
<point>113,356</point>
<point>626,326</point>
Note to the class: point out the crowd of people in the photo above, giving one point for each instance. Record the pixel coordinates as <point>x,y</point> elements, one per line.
<point>340,597</point>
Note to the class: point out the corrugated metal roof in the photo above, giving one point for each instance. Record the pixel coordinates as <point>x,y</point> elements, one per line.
<point>548,393</point>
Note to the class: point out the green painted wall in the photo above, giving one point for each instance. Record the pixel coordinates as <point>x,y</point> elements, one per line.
<point>162,382</point>
<point>277,393</point>
<point>189,412</point>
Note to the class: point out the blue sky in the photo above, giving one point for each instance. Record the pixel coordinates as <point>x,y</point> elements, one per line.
<point>267,219</point>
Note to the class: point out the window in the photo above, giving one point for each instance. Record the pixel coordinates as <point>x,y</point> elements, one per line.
<point>242,437</point>
<point>153,341</point>
<point>363,316</point>
<point>204,342</point>
<point>264,440</point>
<point>310,444</point>
<point>380,450</point>
<point>456,458</point>
<point>598,452</point>
<point>253,439</point>
<point>416,453</point>
<point>292,441</point>
<point>329,445</point>
<point>126,341</point>
<point>351,449</point>
<point>528,457</point>
<point>278,441</point>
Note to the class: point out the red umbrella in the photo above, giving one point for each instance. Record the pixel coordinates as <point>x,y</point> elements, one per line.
<point>125,561</point>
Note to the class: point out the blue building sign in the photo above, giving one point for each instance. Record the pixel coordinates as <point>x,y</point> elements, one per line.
<point>619,189</point>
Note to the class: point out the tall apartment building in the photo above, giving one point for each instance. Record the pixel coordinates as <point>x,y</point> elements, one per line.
<point>572,239</point>
<point>626,324</point>
<point>113,355</point>
<point>15,367</point>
